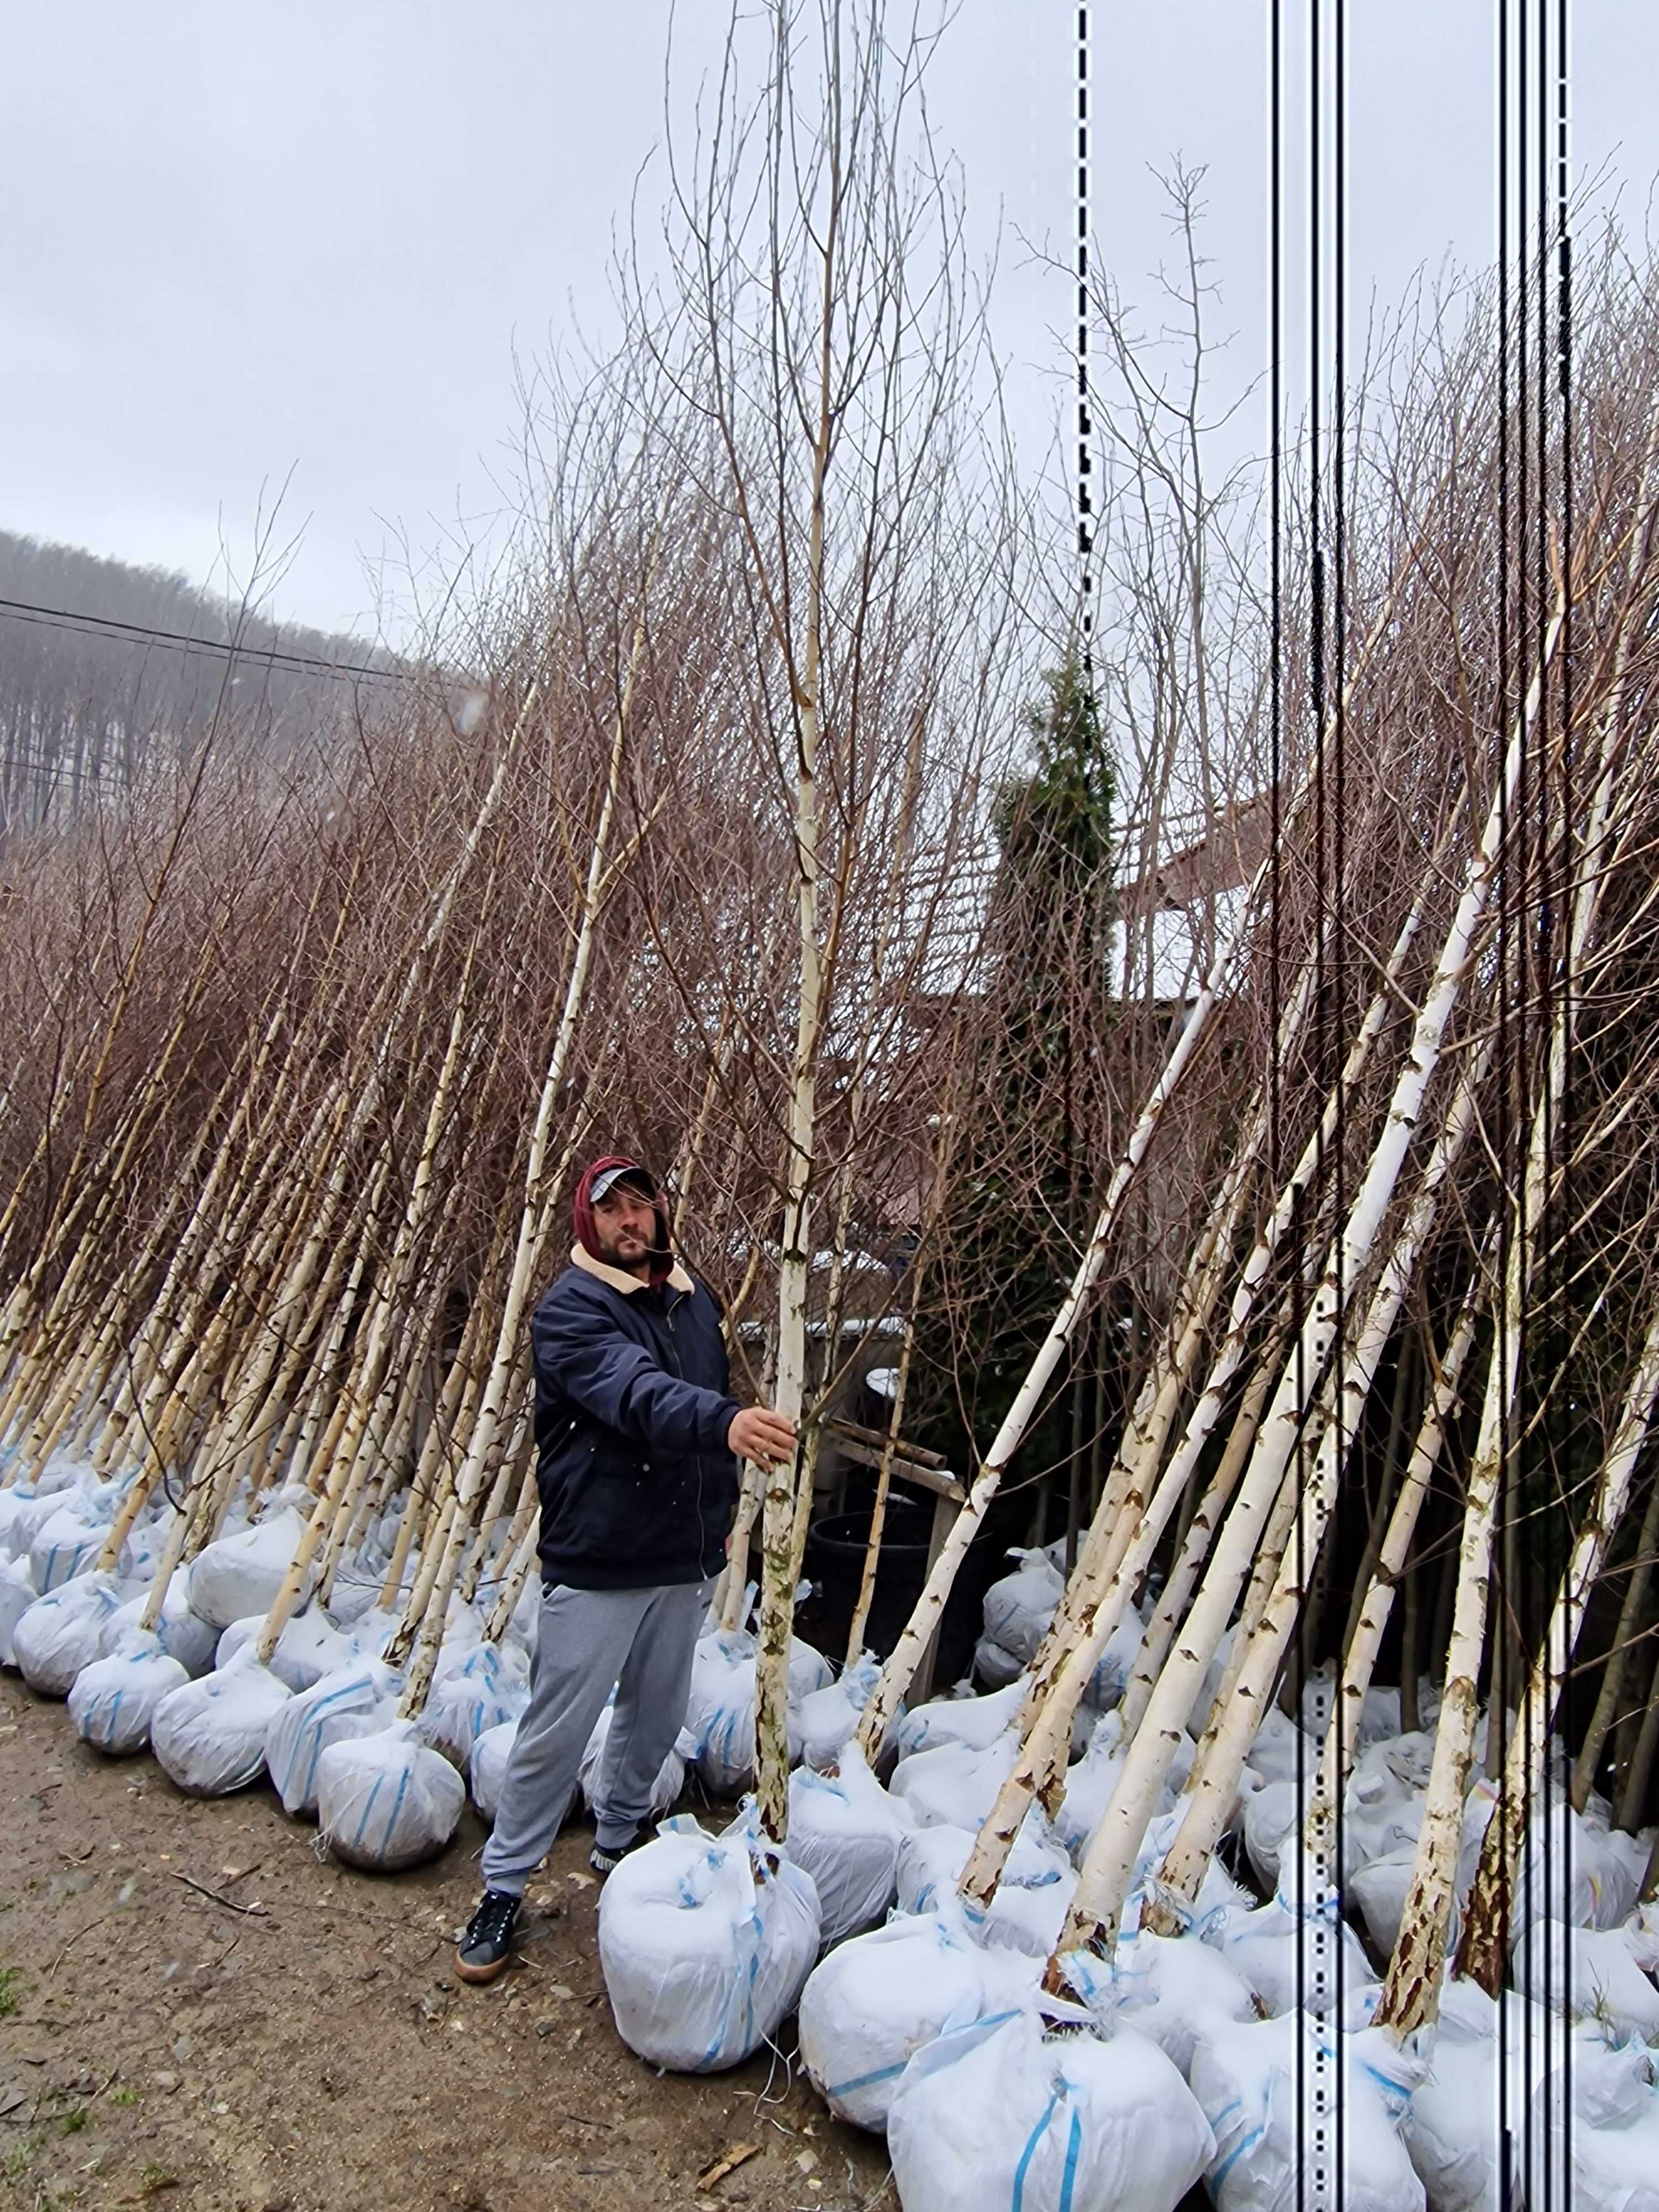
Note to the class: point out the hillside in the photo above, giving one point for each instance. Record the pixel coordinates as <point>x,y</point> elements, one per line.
<point>84,706</point>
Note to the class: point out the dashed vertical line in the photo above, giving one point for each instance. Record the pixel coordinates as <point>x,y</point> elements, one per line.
<point>1085,534</point>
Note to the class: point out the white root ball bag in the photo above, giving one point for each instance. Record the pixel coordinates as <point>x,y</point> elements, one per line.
<point>309,1647</point>
<point>115,1699</point>
<point>384,1801</point>
<point>210,1736</point>
<point>994,1665</point>
<point>705,1943</point>
<point>874,2002</point>
<point>464,1650</point>
<point>845,1831</point>
<point>60,1634</point>
<point>180,1632</point>
<point>68,1543</point>
<point>1115,1664</point>
<point>719,1710</point>
<point>1594,1972</point>
<point>1177,1990</point>
<point>1019,1607</point>
<point>828,1718</point>
<point>1271,1816</point>
<point>1042,2112</point>
<point>1217,1890</point>
<point>486,1770</point>
<point>1090,1784</point>
<point>1597,2126</point>
<point>1027,1919</point>
<point>478,1695</point>
<point>23,1513</point>
<point>236,1576</point>
<point>17,1594</point>
<point>978,1723</point>
<point>1279,1751</point>
<point>357,1699</point>
<point>1282,1951</point>
<point>22,1509</point>
<point>932,1859</point>
<point>955,1786</point>
<point>1453,2126</point>
<point>670,1775</point>
<point>1599,1891</point>
<point>1248,2079</point>
<point>1033,1895</point>
<point>808,1670</point>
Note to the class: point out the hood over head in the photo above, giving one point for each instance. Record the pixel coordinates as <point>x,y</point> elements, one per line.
<point>596,1179</point>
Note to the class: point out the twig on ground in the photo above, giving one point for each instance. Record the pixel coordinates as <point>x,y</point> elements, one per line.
<point>75,1939</point>
<point>252,1911</point>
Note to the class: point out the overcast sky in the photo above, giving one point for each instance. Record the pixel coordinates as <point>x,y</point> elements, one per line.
<point>309,234</point>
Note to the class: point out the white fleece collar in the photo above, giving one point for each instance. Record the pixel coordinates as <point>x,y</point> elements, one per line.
<point>619,1278</point>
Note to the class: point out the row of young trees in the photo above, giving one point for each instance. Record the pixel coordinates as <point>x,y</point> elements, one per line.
<point>761,862</point>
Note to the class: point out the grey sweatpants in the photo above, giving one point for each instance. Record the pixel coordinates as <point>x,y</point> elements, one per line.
<point>641,1640</point>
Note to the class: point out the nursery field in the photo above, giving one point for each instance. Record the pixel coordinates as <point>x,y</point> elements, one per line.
<point>317,2056</point>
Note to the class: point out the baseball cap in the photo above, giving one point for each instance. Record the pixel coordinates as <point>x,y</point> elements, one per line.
<point>629,1171</point>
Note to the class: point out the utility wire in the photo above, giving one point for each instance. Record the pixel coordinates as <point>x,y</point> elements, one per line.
<point>66,618</point>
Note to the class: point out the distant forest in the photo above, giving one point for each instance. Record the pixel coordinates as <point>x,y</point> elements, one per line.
<point>85,712</point>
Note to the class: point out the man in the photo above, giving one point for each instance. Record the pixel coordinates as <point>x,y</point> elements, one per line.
<point>637,1441</point>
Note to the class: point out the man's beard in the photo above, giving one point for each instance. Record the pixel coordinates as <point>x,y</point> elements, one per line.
<point>613,1255</point>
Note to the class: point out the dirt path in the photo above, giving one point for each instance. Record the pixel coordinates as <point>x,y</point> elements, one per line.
<point>156,2044</point>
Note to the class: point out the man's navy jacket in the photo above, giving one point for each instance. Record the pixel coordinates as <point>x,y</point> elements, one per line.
<point>632,1410</point>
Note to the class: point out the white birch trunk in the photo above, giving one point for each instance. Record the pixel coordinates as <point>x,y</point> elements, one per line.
<point>1212,1785</point>
<point>1109,1866</point>
<point>1484,1947</point>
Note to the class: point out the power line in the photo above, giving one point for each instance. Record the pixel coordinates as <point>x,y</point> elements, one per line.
<point>66,618</point>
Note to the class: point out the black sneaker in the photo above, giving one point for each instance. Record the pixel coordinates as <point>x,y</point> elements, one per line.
<point>488,1943</point>
<point>606,1858</point>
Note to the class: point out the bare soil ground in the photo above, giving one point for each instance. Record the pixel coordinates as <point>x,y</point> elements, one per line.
<point>159,2045</point>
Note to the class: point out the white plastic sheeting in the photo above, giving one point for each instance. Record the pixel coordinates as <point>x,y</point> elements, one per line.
<point>1596,1971</point>
<point>845,1831</point>
<point>180,1634</point>
<point>1273,2110</point>
<point>488,1687</point>
<point>875,2001</point>
<point>210,1736</point>
<point>719,1710</point>
<point>61,1632</point>
<point>1012,2112</point>
<point>236,1576</point>
<point>114,1700</point>
<point>486,1770</point>
<point>17,1594</point>
<point>309,1647</point>
<point>956,1785</point>
<point>705,1943</point>
<point>384,1801</point>
<point>828,1718</point>
<point>357,1699</point>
